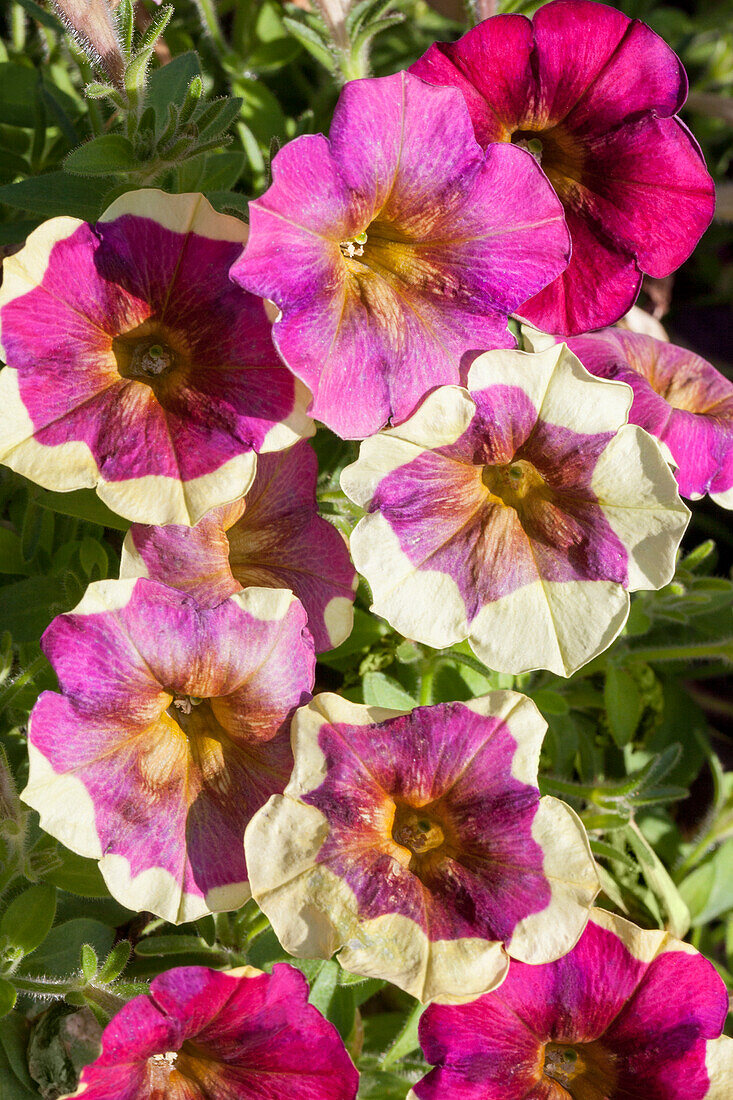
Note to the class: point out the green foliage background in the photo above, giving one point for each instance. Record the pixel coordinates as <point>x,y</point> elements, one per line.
<point>639,740</point>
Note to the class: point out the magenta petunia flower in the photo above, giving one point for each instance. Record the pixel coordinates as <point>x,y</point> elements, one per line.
<point>679,398</point>
<point>272,537</point>
<point>171,729</point>
<point>518,513</point>
<point>205,1034</point>
<point>593,94</point>
<point>626,1015</point>
<point>395,248</point>
<point>136,366</point>
<point>418,845</point>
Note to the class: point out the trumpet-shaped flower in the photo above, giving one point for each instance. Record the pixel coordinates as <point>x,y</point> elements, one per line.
<point>679,398</point>
<point>626,1015</point>
<point>171,729</point>
<point>204,1034</point>
<point>419,846</point>
<point>396,248</point>
<point>593,95</point>
<point>517,513</point>
<point>272,537</point>
<point>134,365</point>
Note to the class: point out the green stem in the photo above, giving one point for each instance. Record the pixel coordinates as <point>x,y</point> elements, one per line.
<point>426,686</point>
<point>467,660</point>
<point>703,651</point>
<point>43,988</point>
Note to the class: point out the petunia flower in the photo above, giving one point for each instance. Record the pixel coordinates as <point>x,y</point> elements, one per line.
<point>593,95</point>
<point>518,513</point>
<point>204,1034</point>
<point>417,845</point>
<point>679,398</point>
<point>134,365</point>
<point>273,537</point>
<point>171,729</point>
<point>396,248</point>
<point>626,1015</point>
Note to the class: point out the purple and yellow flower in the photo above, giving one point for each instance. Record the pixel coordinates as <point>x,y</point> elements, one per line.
<point>628,1014</point>
<point>679,398</point>
<point>518,513</point>
<point>593,94</point>
<point>396,248</point>
<point>134,365</point>
<point>417,845</point>
<point>273,537</point>
<point>205,1034</point>
<point>171,730</point>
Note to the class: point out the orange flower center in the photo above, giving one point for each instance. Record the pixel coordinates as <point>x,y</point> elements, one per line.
<point>150,353</point>
<point>416,830</point>
<point>586,1071</point>
<point>559,153</point>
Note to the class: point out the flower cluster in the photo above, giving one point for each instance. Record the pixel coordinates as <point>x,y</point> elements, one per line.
<point>172,358</point>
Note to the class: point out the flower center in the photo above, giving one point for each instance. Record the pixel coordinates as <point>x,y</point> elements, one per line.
<point>354,247</point>
<point>149,353</point>
<point>514,482</point>
<point>529,140</point>
<point>416,830</point>
<point>585,1070</point>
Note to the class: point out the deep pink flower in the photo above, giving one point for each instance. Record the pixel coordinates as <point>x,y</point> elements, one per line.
<point>626,1015</point>
<point>593,94</point>
<point>209,1035</point>
<point>678,397</point>
<point>395,248</point>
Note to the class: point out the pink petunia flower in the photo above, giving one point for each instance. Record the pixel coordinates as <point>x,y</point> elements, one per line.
<point>171,730</point>
<point>593,94</point>
<point>626,1015</point>
<point>272,537</point>
<point>204,1034</point>
<point>395,248</point>
<point>417,845</point>
<point>679,398</point>
<point>135,366</point>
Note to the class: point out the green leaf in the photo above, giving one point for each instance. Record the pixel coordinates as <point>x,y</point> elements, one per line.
<point>115,962</point>
<point>93,556</point>
<point>222,170</point>
<point>657,877</point>
<point>381,690</point>
<point>89,962</point>
<point>29,917</point>
<point>708,890</point>
<point>57,193</point>
<point>314,44</point>
<point>324,987</point>
<point>551,702</point>
<point>11,556</point>
<point>624,704</point>
<point>19,94</point>
<point>61,950</point>
<point>82,504</point>
<point>14,1032</point>
<point>228,202</point>
<point>169,84</point>
<point>406,1040</point>
<point>7,997</point>
<point>107,155</point>
<point>27,607</point>
<point>77,875</point>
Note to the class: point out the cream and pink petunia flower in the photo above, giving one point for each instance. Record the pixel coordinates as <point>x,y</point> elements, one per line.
<point>395,248</point>
<point>594,95</point>
<point>204,1034</point>
<point>134,365</point>
<point>626,1015</point>
<point>679,398</point>
<point>417,845</point>
<point>171,730</point>
<point>273,537</point>
<point>518,512</point>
